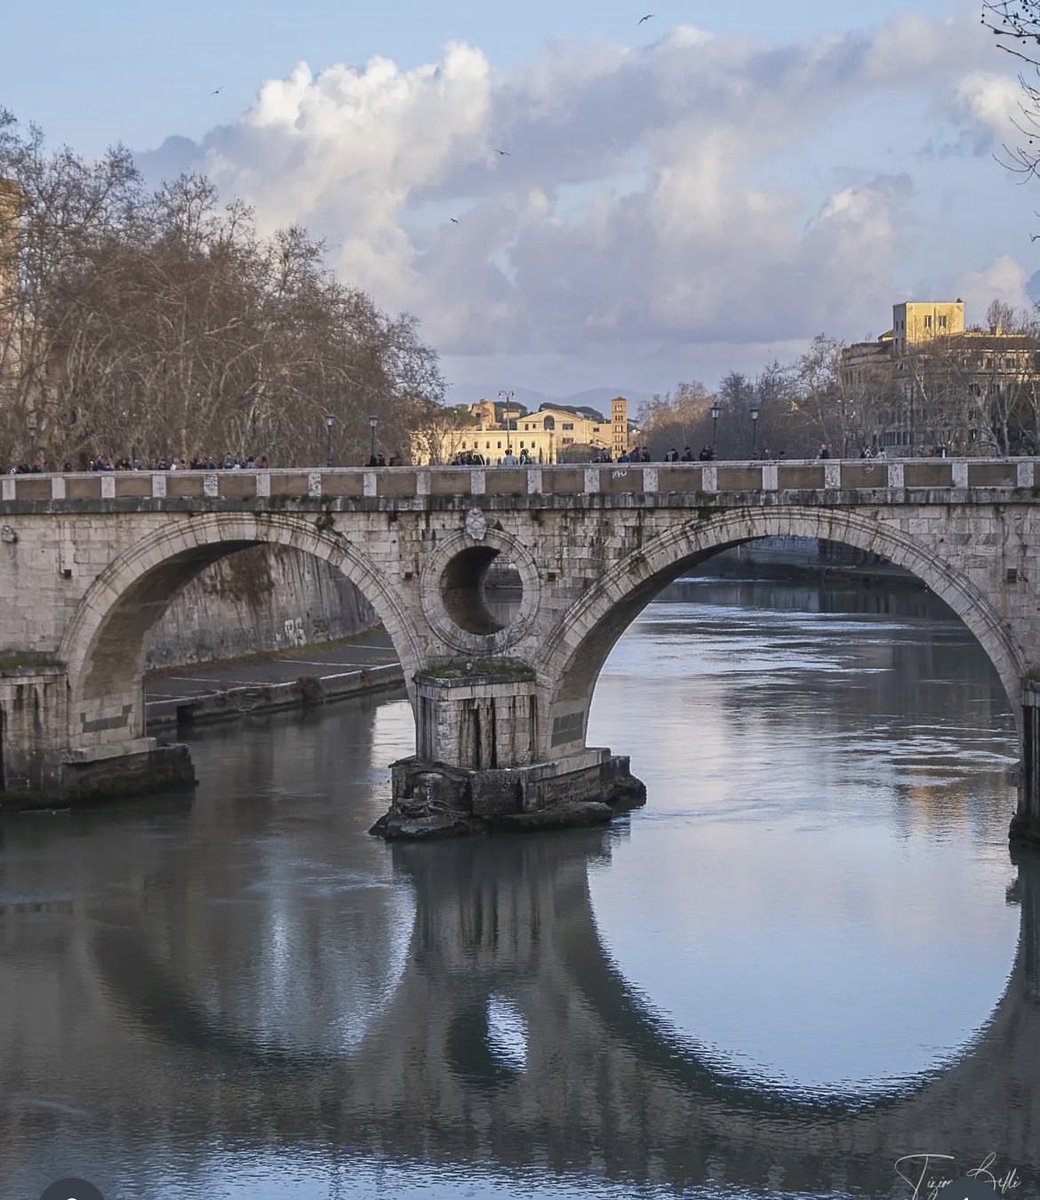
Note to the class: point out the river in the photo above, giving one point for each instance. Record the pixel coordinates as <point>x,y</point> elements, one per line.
<point>808,955</point>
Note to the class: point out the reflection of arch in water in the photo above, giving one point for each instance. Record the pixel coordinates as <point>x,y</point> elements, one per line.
<point>574,654</point>
<point>278,1034</point>
<point>697,1067</point>
<point>517,923</point>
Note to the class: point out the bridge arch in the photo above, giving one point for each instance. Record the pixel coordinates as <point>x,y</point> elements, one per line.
<point>572,657</point>
<point>104,643</point>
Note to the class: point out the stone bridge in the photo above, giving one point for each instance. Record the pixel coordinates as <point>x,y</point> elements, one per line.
<point>595,1084</point>
<point>89,562</point>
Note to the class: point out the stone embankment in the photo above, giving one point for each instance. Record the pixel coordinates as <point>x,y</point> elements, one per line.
<point>262,599</point>
<point>306,691</point>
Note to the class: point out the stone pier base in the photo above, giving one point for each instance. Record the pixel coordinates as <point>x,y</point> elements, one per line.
<point>147,767</point>
<point>1024,831</point>
<point>38,769</point>
<point>433,800</point>
<point>1025,825</point>
<point>82,776</point>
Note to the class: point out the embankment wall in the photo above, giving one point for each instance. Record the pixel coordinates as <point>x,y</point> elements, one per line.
<point>256,600</point>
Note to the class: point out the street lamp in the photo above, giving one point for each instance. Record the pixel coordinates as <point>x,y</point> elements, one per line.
<point>754,429</point>
<point>373,424</point>
<point>506,396</point>
<point>714,410</point>
<point>34,429</point>
<point>329,422</point>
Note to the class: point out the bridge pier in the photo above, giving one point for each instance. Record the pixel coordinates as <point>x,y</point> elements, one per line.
<point>477,765</point>
<point>41,766</point>
<point>1025,825</point>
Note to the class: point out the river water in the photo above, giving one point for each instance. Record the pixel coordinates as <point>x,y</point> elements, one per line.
<point>808,956</point>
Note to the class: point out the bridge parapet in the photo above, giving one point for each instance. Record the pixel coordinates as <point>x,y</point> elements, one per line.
<point>357,483</point>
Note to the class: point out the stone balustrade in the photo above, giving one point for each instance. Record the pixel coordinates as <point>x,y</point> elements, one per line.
<point>358,483</point>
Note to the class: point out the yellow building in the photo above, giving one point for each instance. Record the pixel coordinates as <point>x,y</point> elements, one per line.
<point>929,382</point>
<point>917,322</point>
<point>547,435</point>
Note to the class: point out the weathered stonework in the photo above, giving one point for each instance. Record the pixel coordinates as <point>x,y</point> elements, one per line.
<point>435,800</point>
<point>88,565</point>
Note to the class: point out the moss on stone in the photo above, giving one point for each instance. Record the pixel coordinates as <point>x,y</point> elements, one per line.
<point>26,660</point>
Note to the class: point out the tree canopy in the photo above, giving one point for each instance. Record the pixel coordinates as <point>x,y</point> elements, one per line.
<point>160,324</point>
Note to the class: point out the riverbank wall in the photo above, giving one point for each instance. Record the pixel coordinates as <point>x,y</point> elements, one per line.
<point>263,599</point>
<point>309,691</point>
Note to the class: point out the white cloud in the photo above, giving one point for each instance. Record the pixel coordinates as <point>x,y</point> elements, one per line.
<point>1003,279</point>
<point>633,219</point>
<point>993,101</point>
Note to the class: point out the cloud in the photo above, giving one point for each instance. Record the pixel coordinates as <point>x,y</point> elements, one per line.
<point>1003,279</point>
<point>636,215</point>
<point>993,103</point>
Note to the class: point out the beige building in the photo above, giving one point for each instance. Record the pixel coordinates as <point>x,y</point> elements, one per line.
<point>928,382</point>
<point>546,435</point>
<point>917,322</point>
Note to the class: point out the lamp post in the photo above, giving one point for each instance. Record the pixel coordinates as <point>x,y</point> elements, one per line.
<point>754,429</point>
<point>329,422</point>
<point>373,424</point>
<point>34,429</point>
<point>714,410</point>
<point>506,396</point>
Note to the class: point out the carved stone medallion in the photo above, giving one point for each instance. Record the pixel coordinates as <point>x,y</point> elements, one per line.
<point>476,524</point>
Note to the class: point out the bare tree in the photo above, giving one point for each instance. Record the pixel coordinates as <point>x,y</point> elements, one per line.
<point>1016,26</point>
<point>676,419</point>
<point>160,326</point>
<point>439,430</point>
<point>828,409</point>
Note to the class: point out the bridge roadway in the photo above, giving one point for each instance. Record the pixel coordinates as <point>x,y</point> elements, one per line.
<point>173,1051</point>
<point>88,562</point>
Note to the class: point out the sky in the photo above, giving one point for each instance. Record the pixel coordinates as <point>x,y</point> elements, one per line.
<point>699,192</point>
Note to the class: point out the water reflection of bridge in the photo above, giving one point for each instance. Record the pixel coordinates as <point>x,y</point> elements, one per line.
<point>590,1084</point>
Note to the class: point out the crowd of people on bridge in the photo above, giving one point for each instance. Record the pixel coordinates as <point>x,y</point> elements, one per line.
<point>109,462</point>
<point>467,458</point>
<point>638,454</point>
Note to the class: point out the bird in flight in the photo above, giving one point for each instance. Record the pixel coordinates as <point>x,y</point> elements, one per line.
<point>454,220</point>
<point>646,18</point>
<point>504,153</point>
<point>217,91</point>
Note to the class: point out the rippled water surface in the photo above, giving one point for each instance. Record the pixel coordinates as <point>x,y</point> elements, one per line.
<point>808,955</point>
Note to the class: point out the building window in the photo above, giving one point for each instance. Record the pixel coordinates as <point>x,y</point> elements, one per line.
<point>566,441</point>
<point>928,321</point>
<point>568,424</point>
<point>942,322</point>
<point>500,445</point>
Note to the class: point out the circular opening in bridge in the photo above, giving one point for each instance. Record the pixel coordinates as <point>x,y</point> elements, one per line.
<point>465,584</point>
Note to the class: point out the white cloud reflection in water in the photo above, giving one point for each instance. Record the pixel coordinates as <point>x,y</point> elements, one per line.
<point>815,890</point>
